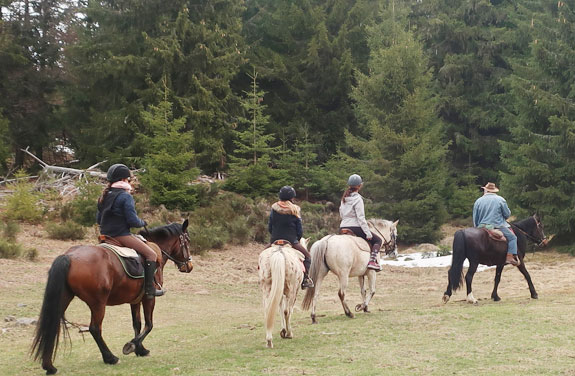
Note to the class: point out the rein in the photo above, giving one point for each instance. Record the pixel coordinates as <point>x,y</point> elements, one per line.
<point>184,241</point>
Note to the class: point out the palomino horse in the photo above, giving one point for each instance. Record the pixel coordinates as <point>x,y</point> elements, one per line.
<point>475,245</point>
<point>281,273</point>
<point>96,276</point>
<point>347,256</point>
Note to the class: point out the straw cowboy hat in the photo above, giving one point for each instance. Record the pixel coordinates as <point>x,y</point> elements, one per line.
<point>490,187</point>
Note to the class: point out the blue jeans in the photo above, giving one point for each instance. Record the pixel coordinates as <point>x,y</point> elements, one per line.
<point>511,240</point>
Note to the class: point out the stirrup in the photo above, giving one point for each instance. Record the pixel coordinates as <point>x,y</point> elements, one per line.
<point>307,283</point>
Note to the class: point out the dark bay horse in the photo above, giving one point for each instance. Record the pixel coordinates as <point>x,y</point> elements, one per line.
<point>96,276</point>
<point>475,245</point>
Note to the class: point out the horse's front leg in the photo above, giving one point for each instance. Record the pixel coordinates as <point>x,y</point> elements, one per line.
<point>525,273</point>
<point>498,272</point>
<point>148,305</point>
<point>135,344</point>
<point>343,282</point>
<point>98,310</point>
<point>468,280</point>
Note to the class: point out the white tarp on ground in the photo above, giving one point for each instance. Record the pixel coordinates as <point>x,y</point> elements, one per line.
<point>425,260</point>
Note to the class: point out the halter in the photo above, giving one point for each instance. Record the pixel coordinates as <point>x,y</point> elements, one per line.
<point>388,245</point>
<point>529,236</point>
<point>184,250</point>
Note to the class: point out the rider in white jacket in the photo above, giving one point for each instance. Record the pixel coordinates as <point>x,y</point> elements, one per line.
<point>352,212</point>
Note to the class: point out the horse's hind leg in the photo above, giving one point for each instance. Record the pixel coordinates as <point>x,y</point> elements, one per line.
<point>321,275</point>
<point>525,273</point>
<point>287,310</point>
<point>98,310</point>
<point>468,280</point>
<point>498,272</point>
<point>343,282</point>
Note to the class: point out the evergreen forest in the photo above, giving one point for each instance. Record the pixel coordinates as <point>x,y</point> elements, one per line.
<point>427,100</point>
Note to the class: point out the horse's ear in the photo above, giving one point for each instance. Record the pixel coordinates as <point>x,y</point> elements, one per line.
<point>395,223</point>
<point>185,225</point>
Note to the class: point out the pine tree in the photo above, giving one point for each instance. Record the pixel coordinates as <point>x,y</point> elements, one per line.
<point>168,158</point>
<point>251,169</point>
<point>540,157</point>
<point>404,151</point>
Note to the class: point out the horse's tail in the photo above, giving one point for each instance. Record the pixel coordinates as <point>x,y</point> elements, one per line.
<point>278,275</point>
<point>317,253</point>
<point>455,273</point>
<point>51,317</point>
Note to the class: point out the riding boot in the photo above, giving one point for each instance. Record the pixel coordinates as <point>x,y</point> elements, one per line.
<point>149,288</point>
<point>510,259</point>
<point>373,264</point>
<point>307,282</point>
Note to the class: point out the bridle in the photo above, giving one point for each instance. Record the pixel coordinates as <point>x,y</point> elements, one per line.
<point>531,237</point>
<point>184,250</point>
<point>388,245</point>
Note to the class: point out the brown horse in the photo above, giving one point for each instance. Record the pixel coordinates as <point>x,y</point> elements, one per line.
<point>475,245</point>
<point>97,277</point>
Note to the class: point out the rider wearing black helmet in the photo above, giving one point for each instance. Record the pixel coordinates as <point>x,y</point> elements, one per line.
<point>285,224</point>
<point>117,214</point>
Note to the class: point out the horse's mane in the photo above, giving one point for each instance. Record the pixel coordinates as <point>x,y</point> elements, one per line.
<point>525,224</point>
<point>376,222</point>
<point>163,232</point>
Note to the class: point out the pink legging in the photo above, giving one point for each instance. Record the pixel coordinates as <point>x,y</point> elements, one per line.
<point>142,248</point>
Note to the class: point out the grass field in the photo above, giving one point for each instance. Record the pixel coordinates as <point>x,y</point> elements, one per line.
<point>211,323</point>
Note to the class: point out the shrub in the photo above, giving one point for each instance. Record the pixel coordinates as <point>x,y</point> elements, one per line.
<point>23,204</point>
<point>66,231</point>
<point>10,230</point>
<point>83,208</point>
<point>10,250</point>
<point>319,220</point>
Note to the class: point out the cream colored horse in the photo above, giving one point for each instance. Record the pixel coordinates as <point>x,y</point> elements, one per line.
<point>347,256</point>
<point>281,273</point>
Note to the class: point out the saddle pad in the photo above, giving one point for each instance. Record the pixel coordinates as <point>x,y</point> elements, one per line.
<point>132,265</point>
<point>362,244</point>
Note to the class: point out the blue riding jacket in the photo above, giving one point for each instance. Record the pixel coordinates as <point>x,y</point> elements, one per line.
<point>491,209</point>
<point>117,213</point>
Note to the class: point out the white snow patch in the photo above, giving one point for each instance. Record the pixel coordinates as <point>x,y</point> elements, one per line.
<point>425,260</point>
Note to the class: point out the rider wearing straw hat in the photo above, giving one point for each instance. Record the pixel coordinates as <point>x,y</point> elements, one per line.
<point>117,214</point>
<point>352,212</point>
<point>491,211</point>
<point>285,224</point>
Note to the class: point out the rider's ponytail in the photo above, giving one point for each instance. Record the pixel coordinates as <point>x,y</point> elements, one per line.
<point>348,192</point>
<point>104,193</point>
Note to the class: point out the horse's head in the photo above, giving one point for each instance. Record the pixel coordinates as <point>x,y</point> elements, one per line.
<point>174,241</point>
<point>387,230</point>
<point>538,233</point>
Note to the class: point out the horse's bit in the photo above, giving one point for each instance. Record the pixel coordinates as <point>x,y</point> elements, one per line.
<point>388,245</point>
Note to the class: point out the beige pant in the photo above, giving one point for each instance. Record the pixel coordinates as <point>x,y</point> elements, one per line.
<point>142,248</point>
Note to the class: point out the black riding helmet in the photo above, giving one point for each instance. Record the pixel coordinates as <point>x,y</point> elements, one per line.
<point>117,172</point>
<point>286,193</point>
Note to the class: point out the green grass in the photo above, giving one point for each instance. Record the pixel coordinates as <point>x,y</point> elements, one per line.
<point>222,334</point>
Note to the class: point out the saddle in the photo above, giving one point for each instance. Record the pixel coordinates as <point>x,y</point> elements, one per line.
<point>495,235</point>
<point>281,242</point>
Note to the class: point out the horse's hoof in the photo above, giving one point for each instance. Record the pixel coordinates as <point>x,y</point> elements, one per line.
<point>51,370</point>
<point>496,298</point>
<point>359,307</point>
<point>142,352</point>
<point>535,296</point>
<point>270,344</point>
<point>111,360</point>
<point>128,348</point>
<point>283,333</point>
<point>365,310</point>
<point>350,315</point>
<point>445,298</point>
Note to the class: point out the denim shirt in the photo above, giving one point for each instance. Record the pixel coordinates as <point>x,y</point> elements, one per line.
<point>491,209</point>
